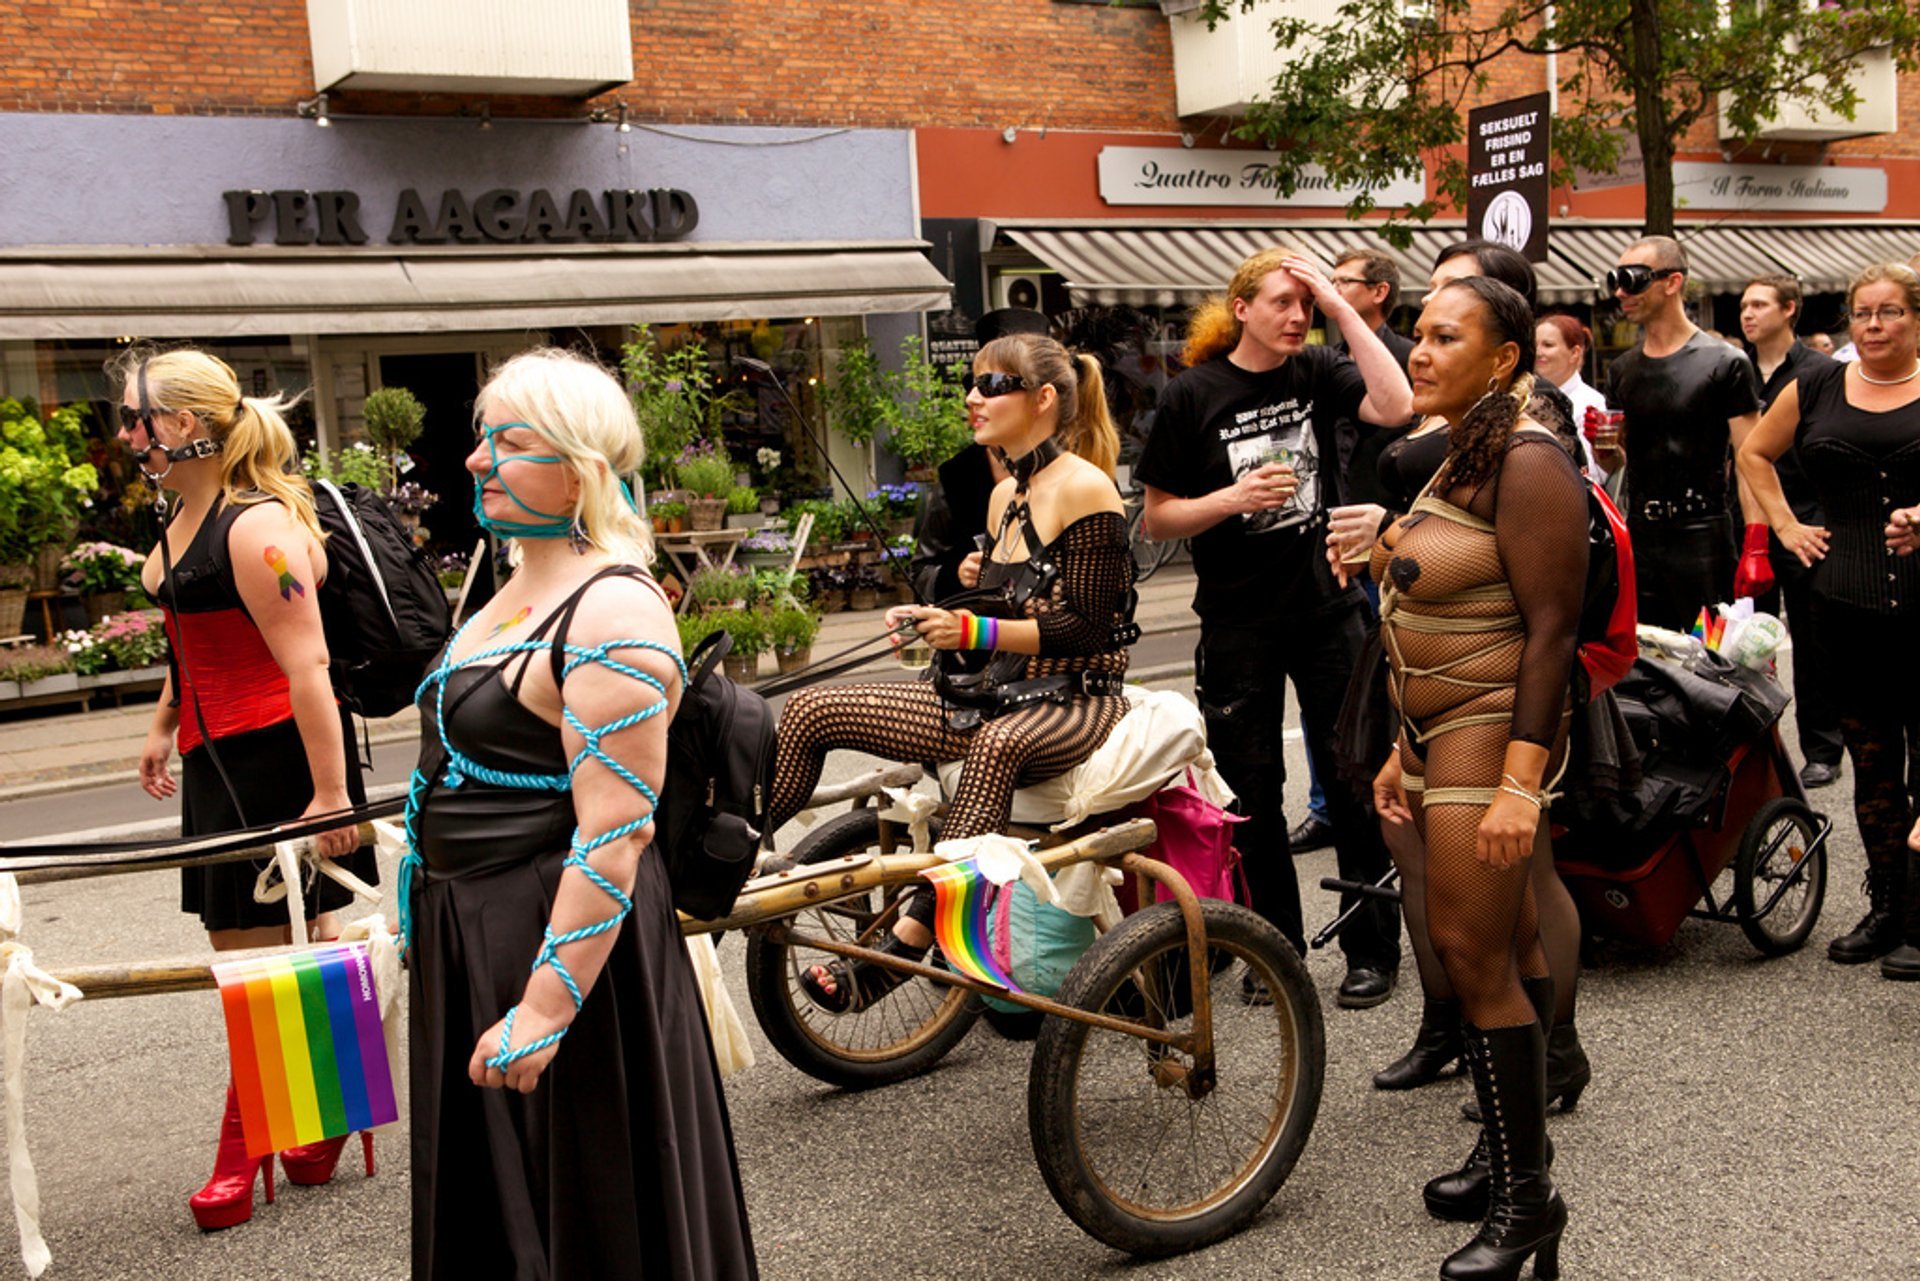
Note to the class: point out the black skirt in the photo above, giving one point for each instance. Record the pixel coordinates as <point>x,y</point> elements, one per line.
<point>620,1163</point>
<point>268,768</point>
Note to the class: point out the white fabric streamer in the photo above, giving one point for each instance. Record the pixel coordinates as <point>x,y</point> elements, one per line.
<point>731,1049</point>
<point>914,809</point>
<point>22,984</point>
<point>1001,859</point>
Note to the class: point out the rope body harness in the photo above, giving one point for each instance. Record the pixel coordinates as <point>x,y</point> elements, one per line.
<point>461,767</point>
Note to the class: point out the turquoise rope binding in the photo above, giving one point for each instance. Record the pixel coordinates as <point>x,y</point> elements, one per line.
<point>461,767</point>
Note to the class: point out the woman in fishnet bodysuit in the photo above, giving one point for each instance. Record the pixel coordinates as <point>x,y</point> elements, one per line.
<point>1481,589</point>
<point>1061,549</point>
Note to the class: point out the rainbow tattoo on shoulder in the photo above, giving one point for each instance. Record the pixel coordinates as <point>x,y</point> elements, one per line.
<point>277,562</point>
<point>526,612</point>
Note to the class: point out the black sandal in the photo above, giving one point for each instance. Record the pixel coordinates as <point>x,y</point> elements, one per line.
<point>858,984</point>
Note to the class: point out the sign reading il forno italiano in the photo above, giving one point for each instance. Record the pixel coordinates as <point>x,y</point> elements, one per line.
<point>500,216</point>
<point>1179,176</point>
<point>1812,188</point>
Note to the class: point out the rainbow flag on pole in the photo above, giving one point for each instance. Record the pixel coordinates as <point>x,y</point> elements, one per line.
<point>309,1060</point>
<point>960,922</point>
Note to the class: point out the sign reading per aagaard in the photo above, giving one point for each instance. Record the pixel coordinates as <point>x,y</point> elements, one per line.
<point>500,216</point>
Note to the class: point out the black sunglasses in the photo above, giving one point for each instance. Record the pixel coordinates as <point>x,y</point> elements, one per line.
<point>131,418</point>
<point>991,385</point>
<point>1636,278</point>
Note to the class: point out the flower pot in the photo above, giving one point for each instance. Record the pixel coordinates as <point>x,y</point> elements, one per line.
<point>706,514</point>
<point>792,660</point>
<point>831,600</point>
<point>741,669</point>
<point>101,605</point>
<point>899,525</point>
<point>64,683</point>
<point>863,598</point>
<point>9,689</point>
<point>922,473</point>
<point>763,560</point>
<point>13,610</point>
<point>46,567</point>
<point>745,520</point>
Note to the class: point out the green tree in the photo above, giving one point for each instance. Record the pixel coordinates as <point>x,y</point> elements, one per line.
<point>1372,95</point>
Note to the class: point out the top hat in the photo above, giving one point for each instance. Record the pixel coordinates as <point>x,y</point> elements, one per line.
<point>1008,321</point>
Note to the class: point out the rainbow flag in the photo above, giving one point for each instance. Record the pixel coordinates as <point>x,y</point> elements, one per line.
<point>303,1033</point>
<point>960,922</point>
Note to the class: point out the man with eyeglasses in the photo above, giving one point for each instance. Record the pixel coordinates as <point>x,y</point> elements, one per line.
<point>1689,400</point>
<point>1240,461</point>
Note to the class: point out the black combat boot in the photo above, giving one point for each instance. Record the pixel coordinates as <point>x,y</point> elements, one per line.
<point>1880,929</point>
<point>1436,1047</point>
<point>1903,963</point>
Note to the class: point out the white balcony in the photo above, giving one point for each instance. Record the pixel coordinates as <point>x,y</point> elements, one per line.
<point>1877,112</point>
<point>1222,71</point>
<point>565,48</point>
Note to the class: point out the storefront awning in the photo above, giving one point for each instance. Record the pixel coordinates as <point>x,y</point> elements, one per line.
<point>93,292</point>
<point>1827,258</point>
<point>1720,259</point>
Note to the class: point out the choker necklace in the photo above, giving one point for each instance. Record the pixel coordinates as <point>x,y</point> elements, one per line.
<point>1029,464</point>
<point>1890,382</point>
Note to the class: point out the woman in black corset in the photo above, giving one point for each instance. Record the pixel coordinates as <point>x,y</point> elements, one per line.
<point>1857,429</point>
<point>567,1118</point>
<point>1053,620</point>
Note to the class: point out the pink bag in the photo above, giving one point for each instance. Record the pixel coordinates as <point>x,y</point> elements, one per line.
<point>1195,839</point>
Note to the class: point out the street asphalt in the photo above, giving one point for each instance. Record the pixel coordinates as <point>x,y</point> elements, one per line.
<point>1748,1118</point>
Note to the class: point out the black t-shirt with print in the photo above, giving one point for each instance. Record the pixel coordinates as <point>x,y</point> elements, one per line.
<point>1217,421</point>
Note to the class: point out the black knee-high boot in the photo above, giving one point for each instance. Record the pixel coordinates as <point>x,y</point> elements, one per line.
<point>1436,1046</point>
<point>1461,1195</point>
<point>1903,963</point>
<point>1568,1069</point>
<point>1525,1215</point>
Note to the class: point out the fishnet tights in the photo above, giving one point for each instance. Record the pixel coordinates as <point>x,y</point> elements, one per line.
<point>905,721</point>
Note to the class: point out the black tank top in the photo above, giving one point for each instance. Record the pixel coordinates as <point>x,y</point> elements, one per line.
<point>1863,465</point>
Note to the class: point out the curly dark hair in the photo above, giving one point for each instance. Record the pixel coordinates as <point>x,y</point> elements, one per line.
<point>1479,439</point>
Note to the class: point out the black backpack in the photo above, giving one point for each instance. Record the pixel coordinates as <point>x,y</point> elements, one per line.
<point>719,781</point>
<point>382,607</point>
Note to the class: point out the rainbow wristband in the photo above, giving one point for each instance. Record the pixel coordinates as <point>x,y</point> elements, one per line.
<point>977,632</point>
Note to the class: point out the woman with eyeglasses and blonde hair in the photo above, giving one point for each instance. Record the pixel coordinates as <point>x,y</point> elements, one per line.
<point>1046,636</point>
<point>567,1116</point>
<point>1857,429</point>
<point>247,699</point>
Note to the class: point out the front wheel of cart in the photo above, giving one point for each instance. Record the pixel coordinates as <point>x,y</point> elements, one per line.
<point>1779,855</point>
<point>1139,1150</point>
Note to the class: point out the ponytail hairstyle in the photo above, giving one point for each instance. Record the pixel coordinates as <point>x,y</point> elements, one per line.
<point>1479,439</point>
<point>579,409</point>
<point>1214,330</point>
<point>1085,427</point>
<point>258,457</point>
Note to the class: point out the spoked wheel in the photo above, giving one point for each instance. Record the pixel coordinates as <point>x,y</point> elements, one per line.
<point>1778,843</point>
<point>1149,553</point>
<point>1137,1150</point>
<point>901,1035</point>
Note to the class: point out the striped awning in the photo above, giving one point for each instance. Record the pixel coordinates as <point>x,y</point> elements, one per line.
<point>1826,258</point>
<point>1720,259</point>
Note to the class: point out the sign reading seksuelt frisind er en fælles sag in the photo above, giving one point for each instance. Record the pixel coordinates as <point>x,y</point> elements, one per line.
<point>502,215</point>
<point>1507,153</point>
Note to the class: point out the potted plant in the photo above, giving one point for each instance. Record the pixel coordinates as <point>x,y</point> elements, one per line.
<point>791,631</point>
<point>669,517</point>
<point>897,505</point>
<point>765,548</point>
<point>394,417</point>
<point>706,472</point>
<point>863,590</point>
<point>827,588</point>
<point>695,628</point>
<point>749,632</point>
<point>45,483</point>
<point>15,582</point>
<point>355,464</point>
<point>898,556</point>
<point>40,669</point>
<point>743,508</point>
<point>719,587</point>
<point>135,640</point>
<point>410,500</point>
<point>104,574</point>
<point>769,460</point>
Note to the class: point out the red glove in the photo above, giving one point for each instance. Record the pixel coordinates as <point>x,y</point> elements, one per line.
<point>1754,576</point>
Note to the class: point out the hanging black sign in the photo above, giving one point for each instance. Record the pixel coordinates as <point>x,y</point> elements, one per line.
<point>503,215</point>
<point>1508,148</point>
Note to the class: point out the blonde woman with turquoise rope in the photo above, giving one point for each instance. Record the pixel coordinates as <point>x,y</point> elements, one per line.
<point>567,1115</point>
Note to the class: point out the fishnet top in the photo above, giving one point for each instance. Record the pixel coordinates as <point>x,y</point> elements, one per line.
<point>1089,601</point>
<point>1480,597</point>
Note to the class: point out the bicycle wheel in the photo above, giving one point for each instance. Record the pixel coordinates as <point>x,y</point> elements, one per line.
<point>1149,553</point>
<point>1137,1153</point>
<point>899,1036</point>
<point>1773,848</point>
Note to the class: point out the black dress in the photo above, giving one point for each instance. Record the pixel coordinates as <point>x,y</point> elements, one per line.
<point>620,1163</point>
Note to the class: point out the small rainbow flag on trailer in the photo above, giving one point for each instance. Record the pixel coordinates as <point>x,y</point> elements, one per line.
<point>960,922</point>
<point>309,1059</point>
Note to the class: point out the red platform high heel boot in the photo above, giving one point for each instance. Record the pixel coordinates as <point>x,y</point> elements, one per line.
<point>312,1163</point>
<point>227,1199</point>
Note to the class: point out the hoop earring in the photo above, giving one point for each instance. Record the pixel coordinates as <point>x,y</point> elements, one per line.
<point>578,537</point>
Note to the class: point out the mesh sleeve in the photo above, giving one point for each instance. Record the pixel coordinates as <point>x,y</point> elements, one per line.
<point>1096,575</point>
<point>1540,526</point>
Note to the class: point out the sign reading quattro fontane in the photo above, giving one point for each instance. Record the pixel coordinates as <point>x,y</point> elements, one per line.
<point>502,215</point>
<point>1182,176</point>
<point>1507,153</point>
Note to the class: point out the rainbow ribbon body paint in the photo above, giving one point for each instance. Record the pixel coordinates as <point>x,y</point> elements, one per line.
<point>526,612</point>
<point>277,562</point>
<point>960,922</point>
<point>304,1038</point>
